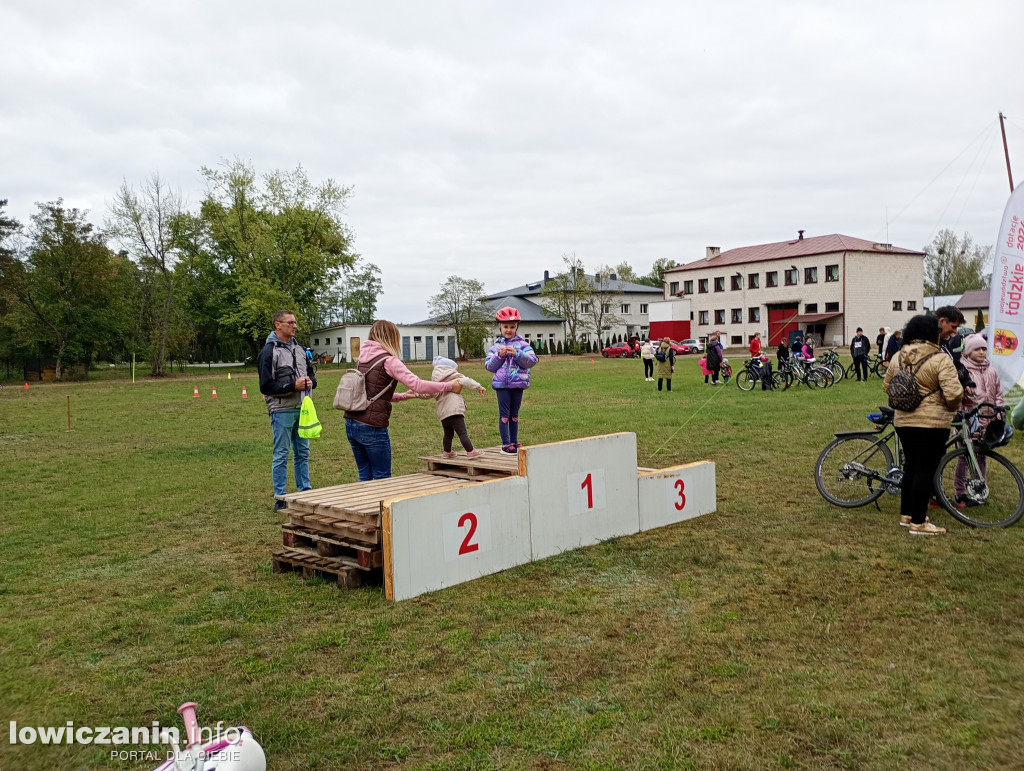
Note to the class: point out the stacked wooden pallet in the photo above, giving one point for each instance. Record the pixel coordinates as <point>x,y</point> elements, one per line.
<point>336,531</point>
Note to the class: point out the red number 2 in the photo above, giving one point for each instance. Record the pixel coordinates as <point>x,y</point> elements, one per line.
<point>588,485</point>
<point>682,498</point>
<point>468,547</point>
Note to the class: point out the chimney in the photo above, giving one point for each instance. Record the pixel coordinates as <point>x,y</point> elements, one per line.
<point>547,278</point>
<point>713,251</point>
<point>612,277</point>
<point>800,235</point>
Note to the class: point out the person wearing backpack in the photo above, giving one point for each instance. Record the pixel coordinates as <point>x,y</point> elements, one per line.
<point>666,359</point>
<point>714,357</point>
<point>285,377</point>
<point>382,367</point>
<point>923,429</point>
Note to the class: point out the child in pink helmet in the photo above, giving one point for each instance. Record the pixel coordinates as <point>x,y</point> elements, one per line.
<point>510,360</point>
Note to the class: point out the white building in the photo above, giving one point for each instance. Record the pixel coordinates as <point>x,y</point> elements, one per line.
<point>420,342</point>
<point>627,307</point>
<point>824,285</point>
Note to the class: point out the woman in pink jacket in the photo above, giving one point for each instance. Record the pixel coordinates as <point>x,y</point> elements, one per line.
<point>382,366</point>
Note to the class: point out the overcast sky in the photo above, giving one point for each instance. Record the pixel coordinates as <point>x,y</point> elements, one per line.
<point>487,140</point>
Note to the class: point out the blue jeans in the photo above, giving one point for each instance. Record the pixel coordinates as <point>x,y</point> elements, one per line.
<point>285,425</point>
<point>509,401</point>
<point>371,448</point>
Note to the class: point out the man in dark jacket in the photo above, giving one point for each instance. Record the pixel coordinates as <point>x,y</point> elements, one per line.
<point>860,346</point>
<point>284,375</point>
<point>894,344</point>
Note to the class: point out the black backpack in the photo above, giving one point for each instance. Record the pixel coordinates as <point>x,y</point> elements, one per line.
<point>660,354</point>
<point>903,391</point>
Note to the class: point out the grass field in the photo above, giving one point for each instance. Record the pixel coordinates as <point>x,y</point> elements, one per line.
<point>779,632</point>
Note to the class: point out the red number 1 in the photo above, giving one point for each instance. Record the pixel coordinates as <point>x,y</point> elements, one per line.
<point>468,547</point>
<point>588,485</point>
<point>682,498</point>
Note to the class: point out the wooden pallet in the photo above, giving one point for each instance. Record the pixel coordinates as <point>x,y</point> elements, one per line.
<point>360,502</point>
<point>492,464</point>
<point>303,538</point>
<point>349,574</point>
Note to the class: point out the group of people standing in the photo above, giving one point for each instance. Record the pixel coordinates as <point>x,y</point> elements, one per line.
<point>286,376</point>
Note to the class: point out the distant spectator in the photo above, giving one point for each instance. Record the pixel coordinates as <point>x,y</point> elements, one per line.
<point>755,345</point>
<point>714,358</point>
<point>880,340</point>
<point>782,352</point>
<point>860,347</point>
<point>647,354</point>
<point>666,363</point>
<point>894,344</point>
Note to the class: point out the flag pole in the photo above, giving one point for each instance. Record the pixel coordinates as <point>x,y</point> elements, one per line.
<point>1006,151</point>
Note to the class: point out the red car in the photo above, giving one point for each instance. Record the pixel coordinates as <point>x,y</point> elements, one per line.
<point>620,351</point>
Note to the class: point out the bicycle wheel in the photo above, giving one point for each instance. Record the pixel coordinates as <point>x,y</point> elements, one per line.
<point>994,498</point>
<point>837,370</point>
<point>781,381</point>
<point>847,471</point>
<point>816,378</point>
<point>826,373</point>
<point>880,368</point>
<point>745,381</point>
<point>851,371</point>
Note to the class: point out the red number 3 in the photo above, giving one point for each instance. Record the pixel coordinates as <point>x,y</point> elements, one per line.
<point>680,486</point>
<point>468,547</point>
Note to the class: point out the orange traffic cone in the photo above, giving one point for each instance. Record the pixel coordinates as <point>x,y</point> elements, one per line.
<point>244,394</point>
<point>195,392</point>
<point>214,393</point>
<point>591,361</point>
<point>26,386</point>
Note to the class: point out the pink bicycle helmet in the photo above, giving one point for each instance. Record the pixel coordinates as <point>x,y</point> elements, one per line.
<point>507,314</point>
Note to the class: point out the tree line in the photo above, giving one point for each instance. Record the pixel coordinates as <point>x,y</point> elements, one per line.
<point>170,284</point>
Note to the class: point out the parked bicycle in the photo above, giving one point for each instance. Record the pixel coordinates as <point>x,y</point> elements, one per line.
<point>858,467</point>
<point>830,361</point>
<point>794,370</point>
<point>759,370</point>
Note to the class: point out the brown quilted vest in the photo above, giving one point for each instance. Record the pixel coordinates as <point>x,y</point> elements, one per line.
<point>378,414</point>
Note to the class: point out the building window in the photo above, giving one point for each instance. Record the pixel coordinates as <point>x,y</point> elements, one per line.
<point>831,307</point>
<point>606,308</point>
<point>550,336</point>
<point>526,336</point>
<point>791,277</point>
<point>316,341</point>
<point>754,315</point>
<point>720,284</point>
<point>584,307</point>
<point>673,288</point>
<point>720,316</point>
<point>831,272</point>
<point>702,285</point>
<point>754,280</point>
<point>810,275</point>
<point>624,308</point>
<point>327,341</point>
<point>737,283</point>
<point>704,318</point>
<point>440,338</point>
<point>688,286</point>
<point>736,340</point>
<point>417,339</point>
<point>643,307</point>
<point>897,305</point>
<point>911,305</point>
<point>737,315</point>
<point>811,308</point>
<point>772,278</point>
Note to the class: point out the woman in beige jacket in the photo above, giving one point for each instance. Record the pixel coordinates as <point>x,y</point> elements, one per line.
<point>923,432</point>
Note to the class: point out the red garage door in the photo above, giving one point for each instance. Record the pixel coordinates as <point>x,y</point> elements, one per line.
<point>781,321</point>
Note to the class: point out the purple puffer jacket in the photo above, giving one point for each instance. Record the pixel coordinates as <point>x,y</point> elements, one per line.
<point>511,371</point>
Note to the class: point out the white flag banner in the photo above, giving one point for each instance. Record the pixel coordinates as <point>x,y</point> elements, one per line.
<point>1006,300</point>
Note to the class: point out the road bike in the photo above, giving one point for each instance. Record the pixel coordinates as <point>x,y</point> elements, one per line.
<point>858,467</point>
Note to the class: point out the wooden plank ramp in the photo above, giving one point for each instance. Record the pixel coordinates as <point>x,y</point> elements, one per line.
<point>329,545</point>
<point>347,572</point>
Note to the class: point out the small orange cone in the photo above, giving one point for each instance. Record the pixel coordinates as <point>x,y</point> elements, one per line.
<point>591,361</point>
<point>214,393</point>
<point>26,386</point>
<point>195,392</point>
<point>244,394</point>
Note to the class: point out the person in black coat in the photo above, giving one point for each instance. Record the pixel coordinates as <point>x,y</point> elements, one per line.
<point>860,346</point>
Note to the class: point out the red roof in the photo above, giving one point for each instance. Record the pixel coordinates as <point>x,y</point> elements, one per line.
<point>787,250</point>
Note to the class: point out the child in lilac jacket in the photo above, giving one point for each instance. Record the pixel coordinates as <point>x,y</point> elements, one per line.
<point>510,360</point>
